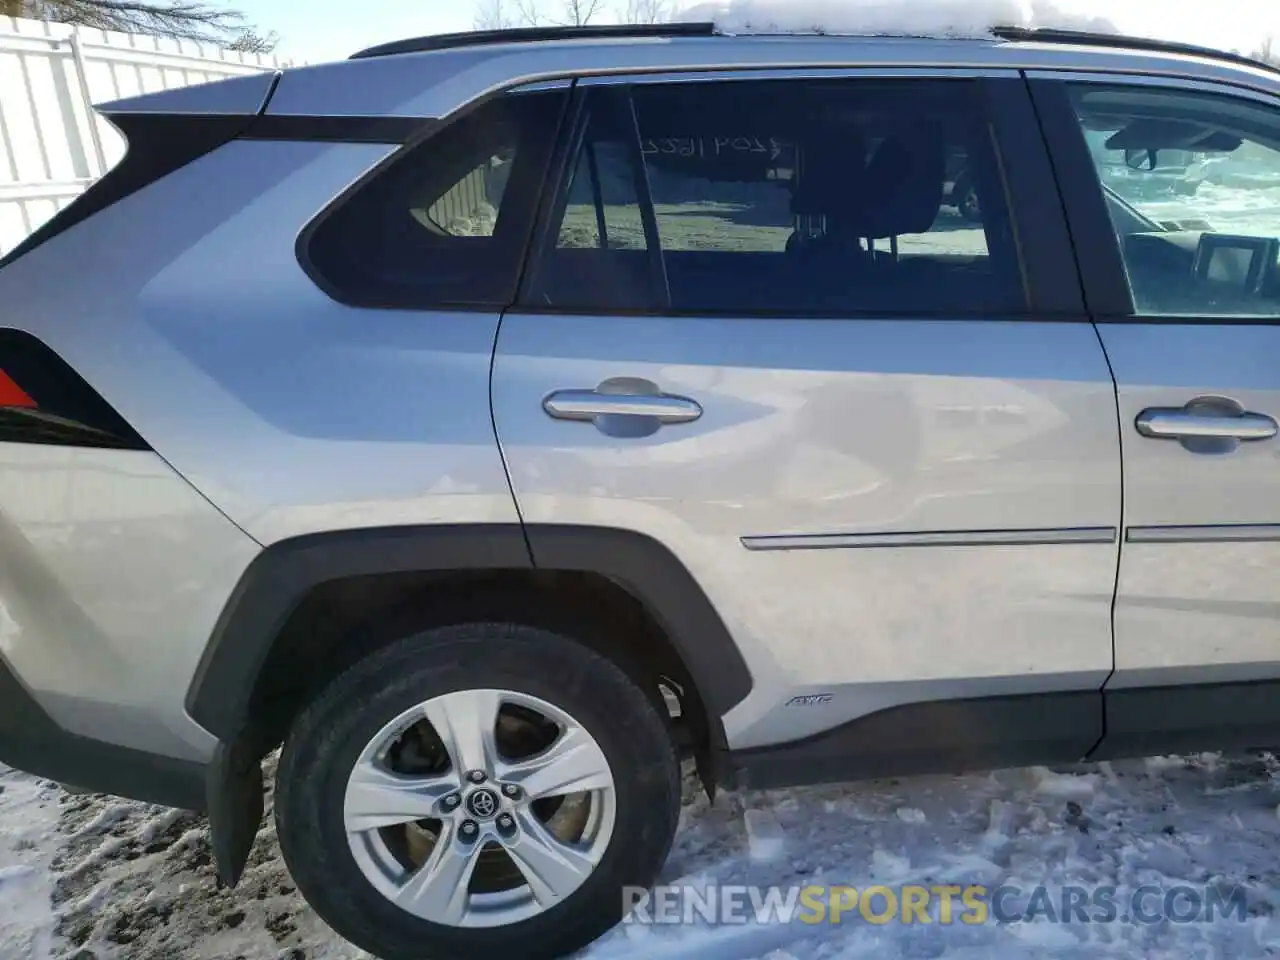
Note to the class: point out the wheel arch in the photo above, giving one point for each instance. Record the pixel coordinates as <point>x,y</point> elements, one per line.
<point>281,578</point>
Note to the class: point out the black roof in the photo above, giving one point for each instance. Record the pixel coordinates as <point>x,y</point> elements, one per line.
<point>446,41</point>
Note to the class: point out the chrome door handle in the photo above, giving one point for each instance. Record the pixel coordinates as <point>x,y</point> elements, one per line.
<point>1175,423</point>
<point>589,404</point>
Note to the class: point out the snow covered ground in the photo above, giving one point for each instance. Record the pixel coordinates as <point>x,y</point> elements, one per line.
<point>91,878</point>
<point>1253,211</point>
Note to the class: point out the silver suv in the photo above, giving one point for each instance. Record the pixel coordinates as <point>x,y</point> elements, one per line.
<point>495,420</point>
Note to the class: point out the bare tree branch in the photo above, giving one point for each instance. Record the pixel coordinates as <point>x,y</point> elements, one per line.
<point>182,19</point>
<point>578,13</point>
<point>529,13</point>
<point>494,15</point>
<point>1266,52</point>
<point>648,11</point>
<point>251,41</point>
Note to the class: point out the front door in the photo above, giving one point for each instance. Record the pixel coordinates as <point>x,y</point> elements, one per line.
<point>1187,297</point>
<point>873,424</point>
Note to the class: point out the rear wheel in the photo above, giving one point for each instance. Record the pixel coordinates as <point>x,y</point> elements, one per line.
<point>477,790</point>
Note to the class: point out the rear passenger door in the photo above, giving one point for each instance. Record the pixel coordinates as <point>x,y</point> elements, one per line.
<point>879,431</point>
<point>1182,265</point>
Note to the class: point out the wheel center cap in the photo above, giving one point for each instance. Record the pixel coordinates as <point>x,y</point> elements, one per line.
<point>482,804</point>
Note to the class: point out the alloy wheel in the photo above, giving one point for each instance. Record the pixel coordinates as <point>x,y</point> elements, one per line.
<point>479,808</point>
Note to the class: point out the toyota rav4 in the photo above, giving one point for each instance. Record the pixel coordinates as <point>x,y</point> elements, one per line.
<point>491,422</point>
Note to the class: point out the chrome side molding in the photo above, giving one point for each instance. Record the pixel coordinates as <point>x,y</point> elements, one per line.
<point>1226,533</point>
<point>934,538</point>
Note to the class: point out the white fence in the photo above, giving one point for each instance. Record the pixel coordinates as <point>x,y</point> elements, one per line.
<point>52,144</point>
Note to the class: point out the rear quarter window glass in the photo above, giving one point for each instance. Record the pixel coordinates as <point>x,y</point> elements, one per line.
<point>446,222</point>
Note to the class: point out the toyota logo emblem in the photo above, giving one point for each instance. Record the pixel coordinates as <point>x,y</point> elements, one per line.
<point>482,804</point>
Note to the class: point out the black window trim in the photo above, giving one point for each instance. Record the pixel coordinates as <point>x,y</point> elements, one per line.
<point>1049,293</point>
<point>691,75</point>
<point>555,197</point>
<point>1046,255</point>
<point>1101,262</point>
<point>648,215</point>
<point>555,188</point>
<point>339,129</point>
<point>597,195</point>
<point>427,129</point>
<point>302,245</point>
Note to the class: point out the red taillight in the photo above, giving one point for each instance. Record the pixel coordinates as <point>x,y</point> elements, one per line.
<point>12,395</point>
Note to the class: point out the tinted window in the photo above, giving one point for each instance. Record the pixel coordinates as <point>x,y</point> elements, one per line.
<point>786,197</point>
<point>447,223</point>
<point>1192,184</point>
<point>600,258</point>
<point>602,210</point>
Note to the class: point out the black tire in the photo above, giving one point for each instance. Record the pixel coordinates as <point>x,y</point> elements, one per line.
<point>329,733</point>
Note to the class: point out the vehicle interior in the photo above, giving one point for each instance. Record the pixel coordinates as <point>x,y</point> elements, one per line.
<point>1227,260</point>
<point>762,198</point>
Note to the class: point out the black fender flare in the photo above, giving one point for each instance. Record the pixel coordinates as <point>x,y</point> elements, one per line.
<point>277,580</point>
<point>279,577</point>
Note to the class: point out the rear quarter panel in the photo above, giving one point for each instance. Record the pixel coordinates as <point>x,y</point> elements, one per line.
<point>191,314</point>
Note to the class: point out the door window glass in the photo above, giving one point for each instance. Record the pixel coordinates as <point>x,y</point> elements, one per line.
<point>600,258</point>
<point>603,209</point>
<point>788,197</point>
<point>1192,185</point>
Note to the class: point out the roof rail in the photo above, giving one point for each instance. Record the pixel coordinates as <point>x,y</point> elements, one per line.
<point>1118,40</point>
<point>447,41</point>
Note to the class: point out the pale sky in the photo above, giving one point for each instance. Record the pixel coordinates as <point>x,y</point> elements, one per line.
<point>315,30</point>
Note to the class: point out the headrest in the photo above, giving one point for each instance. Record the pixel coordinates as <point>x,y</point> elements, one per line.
<point>833,161</point>
<point>903,185</point>
<point>898,191</point>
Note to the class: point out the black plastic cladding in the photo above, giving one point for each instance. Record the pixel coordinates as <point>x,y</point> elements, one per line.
<point>280,576</point>
<point>30,740</point>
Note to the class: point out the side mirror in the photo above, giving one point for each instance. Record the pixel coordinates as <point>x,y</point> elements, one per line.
<point>1140,159</point>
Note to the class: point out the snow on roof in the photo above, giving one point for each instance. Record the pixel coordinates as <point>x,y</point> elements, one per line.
<point>910,18</point>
